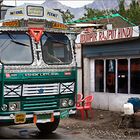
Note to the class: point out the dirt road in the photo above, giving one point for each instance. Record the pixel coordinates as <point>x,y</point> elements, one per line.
<point>105,125</point>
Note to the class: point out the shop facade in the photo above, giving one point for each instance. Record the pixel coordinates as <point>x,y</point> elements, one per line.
<point>109,66</point>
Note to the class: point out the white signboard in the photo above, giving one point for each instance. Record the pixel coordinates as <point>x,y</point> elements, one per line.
<point>118,33</point>
<point>35,11</point>
<point>53,15</point>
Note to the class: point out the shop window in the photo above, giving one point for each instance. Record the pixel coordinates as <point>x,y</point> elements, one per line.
<point>99,75</point>
<point>122,76</point>
<point>135,76</point>
<point>110,76</point>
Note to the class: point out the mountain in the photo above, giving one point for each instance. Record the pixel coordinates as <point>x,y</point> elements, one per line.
<point>79,12</point>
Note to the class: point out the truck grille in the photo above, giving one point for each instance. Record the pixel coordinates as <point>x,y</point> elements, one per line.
<point>43,89</point>
<point>38,89</point>
<point>37,103</point>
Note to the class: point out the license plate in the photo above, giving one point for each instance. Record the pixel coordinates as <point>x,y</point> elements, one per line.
<point>64,114</point>
<point>43,117</point>
<point>20,118</point>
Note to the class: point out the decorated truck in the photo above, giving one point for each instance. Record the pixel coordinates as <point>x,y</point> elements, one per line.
<point>38,72</point>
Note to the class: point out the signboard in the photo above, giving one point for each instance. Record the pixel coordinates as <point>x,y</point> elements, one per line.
<point>15,23</point>
<point>35,11</point>
<point>53,15</point>
<point>59,25</point>
<point>17,12</point>
<point>118,33</point>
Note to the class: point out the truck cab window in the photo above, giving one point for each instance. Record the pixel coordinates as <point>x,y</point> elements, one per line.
<point>56,49</point>
<point>15,48</point>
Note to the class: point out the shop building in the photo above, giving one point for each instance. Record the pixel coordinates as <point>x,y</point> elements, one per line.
<point>109,65</point>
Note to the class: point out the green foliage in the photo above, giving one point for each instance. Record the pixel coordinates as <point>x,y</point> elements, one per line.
<point>67,16</point>
<point>132,13</point>
<point>122,8</point>
<point>90,13</point>
<point>93,13</point>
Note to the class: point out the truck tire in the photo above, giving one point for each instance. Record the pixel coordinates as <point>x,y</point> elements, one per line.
<point>48,127</point>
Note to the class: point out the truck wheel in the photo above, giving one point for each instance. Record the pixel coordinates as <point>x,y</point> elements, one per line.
<point>48,127</point>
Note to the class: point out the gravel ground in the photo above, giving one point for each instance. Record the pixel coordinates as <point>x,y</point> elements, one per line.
<point>104,125</point>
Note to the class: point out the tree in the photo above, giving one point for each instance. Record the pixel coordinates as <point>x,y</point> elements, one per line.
<point>67,16</point>
<point>122,8</point>
<point>91,13</point>
<point>133,14</point>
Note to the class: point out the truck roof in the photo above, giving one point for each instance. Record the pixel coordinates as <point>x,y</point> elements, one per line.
<point>26,16</point>
<point>38,11</point>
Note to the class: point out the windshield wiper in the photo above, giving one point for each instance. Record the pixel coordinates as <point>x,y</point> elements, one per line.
<point>15,41</point>
<point>20,43</point>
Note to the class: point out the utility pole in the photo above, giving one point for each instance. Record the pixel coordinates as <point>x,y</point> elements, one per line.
<point>0,7</point>
<point>15,2</point>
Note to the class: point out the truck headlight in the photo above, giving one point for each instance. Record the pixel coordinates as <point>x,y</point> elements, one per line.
<point>4,107</point>
<point>71,102</point>
<point>64,102</point>
<point>14,106</point>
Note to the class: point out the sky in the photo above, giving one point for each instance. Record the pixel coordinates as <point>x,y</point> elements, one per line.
<point>70,3</point>
<point>75,3</point>
<point>20,2</point>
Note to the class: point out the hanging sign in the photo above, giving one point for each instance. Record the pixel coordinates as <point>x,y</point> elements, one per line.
<point>118,33</point>
<point>36,33</point>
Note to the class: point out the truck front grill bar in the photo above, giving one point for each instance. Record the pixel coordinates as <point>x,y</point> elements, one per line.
<point>35,103</point>
<point>38,89</point>
<point>43,89</point>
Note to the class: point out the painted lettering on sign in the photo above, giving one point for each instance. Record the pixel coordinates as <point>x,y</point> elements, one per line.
<point>19,12</point>
<point>118,33</point>
<point>92,37</point>
<point>52,14</point>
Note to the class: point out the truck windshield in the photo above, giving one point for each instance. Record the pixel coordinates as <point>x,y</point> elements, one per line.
<point>56,49</point>
<point>15,48</point>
